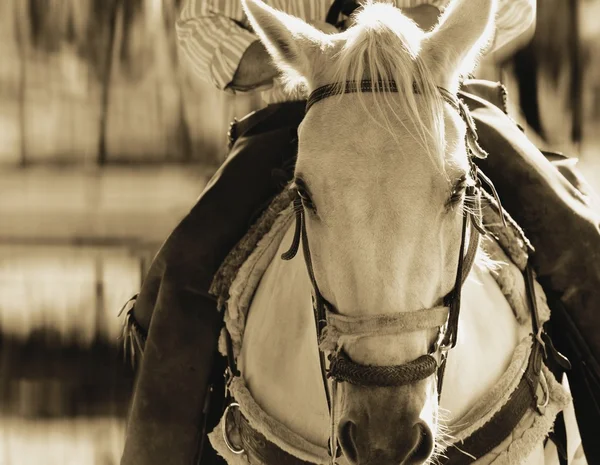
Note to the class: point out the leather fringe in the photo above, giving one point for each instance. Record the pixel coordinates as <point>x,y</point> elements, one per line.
<point>511,238</point>
<point>132,336</point>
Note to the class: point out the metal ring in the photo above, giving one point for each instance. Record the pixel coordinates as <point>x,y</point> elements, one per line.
<point>230,446</point>
<point>438,346</point>
<point>544,384</point>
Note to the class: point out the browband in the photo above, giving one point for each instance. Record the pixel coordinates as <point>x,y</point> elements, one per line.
<point>352,87</point>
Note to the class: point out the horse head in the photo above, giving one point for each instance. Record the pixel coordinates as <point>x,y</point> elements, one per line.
<point>381,176</point>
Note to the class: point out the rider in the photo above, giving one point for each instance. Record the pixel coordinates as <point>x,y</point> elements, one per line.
<point>215,39</point>
<point>174,313</point>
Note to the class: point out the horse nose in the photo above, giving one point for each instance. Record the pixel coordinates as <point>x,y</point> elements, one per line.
<point>413,448</point>
<point>347,439</point>
<point>423,445</point>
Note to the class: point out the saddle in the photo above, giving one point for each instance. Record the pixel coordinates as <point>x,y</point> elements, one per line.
<point>543,192</point>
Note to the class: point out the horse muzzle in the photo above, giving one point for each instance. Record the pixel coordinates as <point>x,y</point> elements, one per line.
<point>383,425</point>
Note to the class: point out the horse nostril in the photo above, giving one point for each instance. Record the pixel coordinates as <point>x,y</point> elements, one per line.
<point>347,439</point>
<point>423,444</point>
<point>407,446</point>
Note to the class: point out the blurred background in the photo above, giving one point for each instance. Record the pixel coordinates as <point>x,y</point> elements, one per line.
<point>105,143</point>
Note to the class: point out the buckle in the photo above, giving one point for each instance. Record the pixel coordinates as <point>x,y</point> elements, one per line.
<point>228,443</point>
<point>439,346</point>
<point>232,133</point>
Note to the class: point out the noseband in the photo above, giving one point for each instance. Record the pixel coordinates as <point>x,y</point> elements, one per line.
<point>333,328</point>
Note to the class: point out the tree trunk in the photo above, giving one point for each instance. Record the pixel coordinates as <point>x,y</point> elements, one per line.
<point>114,18</point>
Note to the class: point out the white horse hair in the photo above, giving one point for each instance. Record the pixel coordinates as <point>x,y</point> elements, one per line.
<point>384,235</point>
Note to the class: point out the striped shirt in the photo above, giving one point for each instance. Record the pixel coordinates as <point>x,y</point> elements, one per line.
<point>214,34</point>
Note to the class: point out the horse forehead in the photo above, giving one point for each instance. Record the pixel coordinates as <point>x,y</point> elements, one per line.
<point>368,172</point>
<point>345,143</point>
<point>340,142</point>
<point>347,114</point>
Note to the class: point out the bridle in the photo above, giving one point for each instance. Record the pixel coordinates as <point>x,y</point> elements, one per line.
<point>332,327</point>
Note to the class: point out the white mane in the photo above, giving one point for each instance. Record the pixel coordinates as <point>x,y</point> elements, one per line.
<point>383,46</point>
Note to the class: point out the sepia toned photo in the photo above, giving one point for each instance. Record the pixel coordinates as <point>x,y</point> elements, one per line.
<point>299,232</point>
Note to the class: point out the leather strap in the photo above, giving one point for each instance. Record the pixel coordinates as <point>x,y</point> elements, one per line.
<point>258,448</point>
<point>559,437</point>
<point>334,12</point>
<point>502,423</point>
<point>338,7</point>
<point>274,117</point>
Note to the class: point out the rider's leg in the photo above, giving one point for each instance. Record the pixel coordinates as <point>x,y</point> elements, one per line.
<point>165,423</point>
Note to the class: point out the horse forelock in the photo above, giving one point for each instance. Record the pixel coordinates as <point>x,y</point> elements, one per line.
<point>382,46</point>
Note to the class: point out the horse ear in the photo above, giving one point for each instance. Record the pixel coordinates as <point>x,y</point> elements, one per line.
<point>451,50</point>
<point>293,44</point>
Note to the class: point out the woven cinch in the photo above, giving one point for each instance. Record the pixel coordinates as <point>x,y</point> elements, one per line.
<point>240,275</point>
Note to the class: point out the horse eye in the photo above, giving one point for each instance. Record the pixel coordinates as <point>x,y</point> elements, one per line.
<point>458,192</point>
<point>457,195</point>
<point>305,195</point>
<point>306,200</point>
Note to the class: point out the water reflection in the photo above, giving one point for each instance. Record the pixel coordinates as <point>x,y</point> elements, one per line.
<point>64,386</point>
<point>66,441</point>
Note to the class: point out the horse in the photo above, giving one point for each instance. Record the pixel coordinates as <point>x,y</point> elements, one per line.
<point>358,354</point>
